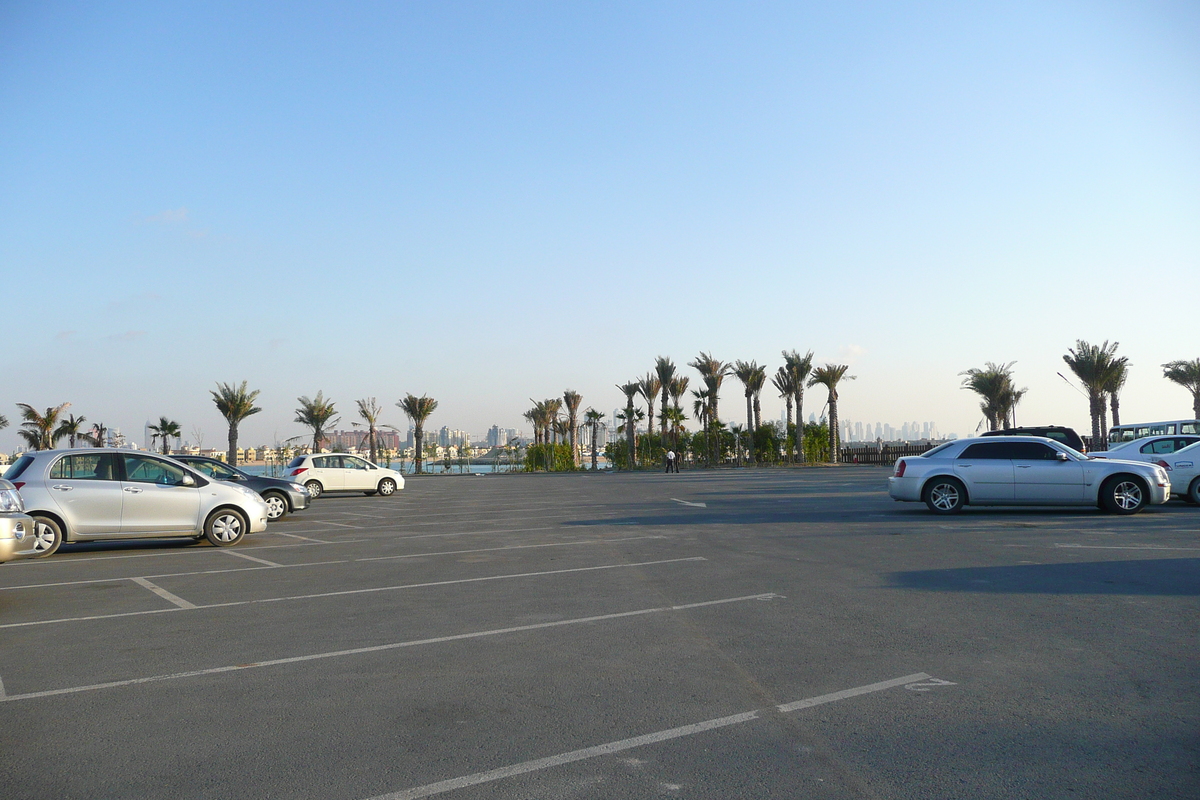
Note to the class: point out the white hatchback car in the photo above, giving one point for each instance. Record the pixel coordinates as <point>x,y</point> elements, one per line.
<point>341,472</point>
<point>1184,468</point>
<point>1025,470</point>
<point>1151,448</point>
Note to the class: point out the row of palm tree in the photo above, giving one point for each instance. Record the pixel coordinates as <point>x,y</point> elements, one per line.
<point>42,430</point>
<point>1100,371</point>
<point>556,421</point>
<point>791,379</point>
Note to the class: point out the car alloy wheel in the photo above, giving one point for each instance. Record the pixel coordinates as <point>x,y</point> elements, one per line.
<point>945,496</point>
<point>225,528</point>
<point>276,506</point>
<point>47,537</point>
<point>1125,495</point>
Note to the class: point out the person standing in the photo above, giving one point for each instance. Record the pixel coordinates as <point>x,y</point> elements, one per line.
<point>671,465</point>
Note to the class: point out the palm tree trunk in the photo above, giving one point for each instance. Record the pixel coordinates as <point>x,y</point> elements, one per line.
<point>1094,401</point>
<point>750,427</point>
<point>834,453</point>
<point>419,438</point>
<point>1116,409</point>
<point>231,456</point>
<point>630,441</point>
<point>800,426</point>
<point>1104,421</point>
<point>792,452</point>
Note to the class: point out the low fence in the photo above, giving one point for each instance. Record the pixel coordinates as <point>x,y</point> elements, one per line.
<point>884,456</point>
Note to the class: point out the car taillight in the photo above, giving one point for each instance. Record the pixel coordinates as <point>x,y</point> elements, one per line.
<point>18,484</point>
<point>297,471</point>
<point>1163,464</point>
<point>900,465</point>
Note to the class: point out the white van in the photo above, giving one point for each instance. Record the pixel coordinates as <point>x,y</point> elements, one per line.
<point>1118,434</point>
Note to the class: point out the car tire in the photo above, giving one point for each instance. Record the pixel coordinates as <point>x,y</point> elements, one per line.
<point>1193,493</point>
<point>277,506</point>
<point>1124,494</point>
<point>945,495</point>
<point>225,527</point>
<point>48,536</point>
<point>314,489</point>
<point>387,487</point>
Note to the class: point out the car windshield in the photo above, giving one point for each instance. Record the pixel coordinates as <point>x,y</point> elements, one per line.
<point>295,462</point>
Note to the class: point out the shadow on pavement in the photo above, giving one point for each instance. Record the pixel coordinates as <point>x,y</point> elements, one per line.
<point>1159,576</point>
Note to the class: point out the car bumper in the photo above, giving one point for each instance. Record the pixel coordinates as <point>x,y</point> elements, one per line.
<point>299,500</point>
<point>908,489</point>
<point>16,537</point>
<point>1160,494</point>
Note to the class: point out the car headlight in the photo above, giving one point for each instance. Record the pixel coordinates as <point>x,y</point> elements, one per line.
<point>11,501</point>
<point>299,488</point>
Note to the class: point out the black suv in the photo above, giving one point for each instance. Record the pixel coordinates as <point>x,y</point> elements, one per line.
<point>1056,432</point>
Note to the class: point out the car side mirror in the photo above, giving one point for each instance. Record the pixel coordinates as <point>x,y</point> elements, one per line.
<point>1061,456</point>
<point>187,480</point>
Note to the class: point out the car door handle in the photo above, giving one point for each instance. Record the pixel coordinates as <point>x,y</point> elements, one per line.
<point>1024,466</point>
<point>62,488</point>
<point>963,466</point>
<point>133,490</point>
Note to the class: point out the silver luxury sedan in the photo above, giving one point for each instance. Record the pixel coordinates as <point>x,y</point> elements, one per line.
<point>1024,470</point>
<point>102,493</point>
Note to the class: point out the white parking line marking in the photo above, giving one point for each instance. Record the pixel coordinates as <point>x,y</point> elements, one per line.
<point>295,536</point>
<point>379,648</point>
<point>163,593</point>
<point>509,547</point>
<point>339,524</point>
<point>355,591</point>
<point>251,558</point>
<point>1121,547</point>
<point>637,741</point>
<point>693,505</point>
<point>170,575</point>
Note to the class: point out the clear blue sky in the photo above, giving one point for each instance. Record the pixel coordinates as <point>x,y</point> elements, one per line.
<point>492,202</point>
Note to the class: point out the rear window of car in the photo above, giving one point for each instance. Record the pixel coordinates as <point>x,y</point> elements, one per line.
<point>18,466</point>
<point>297,461</point>
<point>938,449</point>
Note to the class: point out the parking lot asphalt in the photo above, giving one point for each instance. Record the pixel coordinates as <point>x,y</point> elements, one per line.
<point>727,634</point>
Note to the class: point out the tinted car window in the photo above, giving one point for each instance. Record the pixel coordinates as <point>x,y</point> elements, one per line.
<point>935,451</point>
<point>297,461</point>
<point>1189,427</point>
<point>19,466</point>
<point>1032,451</point>
<point>988,450</point>
<point>353,463</point>
<point>141,469</point>
<point>86,467</point>
<point>327,462</point>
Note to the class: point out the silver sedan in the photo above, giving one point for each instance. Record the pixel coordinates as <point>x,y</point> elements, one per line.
<point>1024,470</point>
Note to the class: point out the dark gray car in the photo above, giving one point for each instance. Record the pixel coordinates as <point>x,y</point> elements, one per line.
<point>281,496</point>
